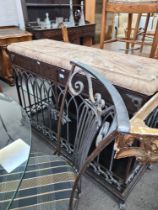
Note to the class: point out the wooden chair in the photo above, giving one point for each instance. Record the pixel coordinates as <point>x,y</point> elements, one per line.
<point>64,31</point>
<point>50,181</point>
<point>147,33</point>
<point>156,56</point>
<point>155,44</point>
<point>1,89</point>
<point>130,7</point>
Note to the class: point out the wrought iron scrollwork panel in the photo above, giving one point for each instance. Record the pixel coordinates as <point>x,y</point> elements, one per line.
<point>41,98</point>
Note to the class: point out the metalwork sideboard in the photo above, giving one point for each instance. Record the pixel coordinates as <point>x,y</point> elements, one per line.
<point>39,85</point>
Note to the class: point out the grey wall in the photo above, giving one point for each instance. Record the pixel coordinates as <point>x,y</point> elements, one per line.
<point>11,13</point>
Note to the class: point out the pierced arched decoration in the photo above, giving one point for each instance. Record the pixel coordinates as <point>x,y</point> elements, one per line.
<point>92,114</point>
<point>88,116</point>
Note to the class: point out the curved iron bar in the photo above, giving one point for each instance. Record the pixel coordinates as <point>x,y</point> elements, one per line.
<point>58,148</point>
<point>80,85</point>
<point>101,146</point>
<point>6,130</point>
<point>36,94</point>
<point>121,110</point>
<point>120,123</point>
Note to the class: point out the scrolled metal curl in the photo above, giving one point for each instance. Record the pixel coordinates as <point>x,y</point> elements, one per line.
<point>78,86</point>
<point>99,101</point>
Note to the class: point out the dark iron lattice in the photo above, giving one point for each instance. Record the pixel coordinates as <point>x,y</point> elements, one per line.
<point>41,98</point>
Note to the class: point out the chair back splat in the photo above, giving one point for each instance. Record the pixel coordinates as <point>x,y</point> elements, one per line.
<point>91,110</point>
<point>95,118</point>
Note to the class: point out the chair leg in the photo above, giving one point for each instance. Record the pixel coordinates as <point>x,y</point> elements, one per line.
<point>136,29</point>
<point>156,56</point>
<point>145,30</point>
<point>64,31</point>
<point>129,27</point>
<point>1,89</point>
<point>155,43</point>
<point>103,24</point>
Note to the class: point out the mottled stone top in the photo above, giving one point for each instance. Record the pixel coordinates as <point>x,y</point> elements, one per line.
<point>11,32</point>
<point>132,72</point>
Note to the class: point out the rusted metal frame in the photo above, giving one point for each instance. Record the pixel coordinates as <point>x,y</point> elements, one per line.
<point>85,68</point>
<point>112,127</point>
<point>17,85</point>
<point>83,144</point>
<point>89,159</point>
<point>41,88</point>
<point>27,88</point>
<point>83,124</point>
<point>119,195</point>
<point>41,99</point>
<point>106,176</point>
<point>89,71</point>
<point>26,80</point>
<point>18,76</point>
<point>58,148</point>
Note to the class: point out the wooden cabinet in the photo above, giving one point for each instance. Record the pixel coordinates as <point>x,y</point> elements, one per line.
<point>9,35</point>
<point>90,10</point>
<point>34,9</point>
<point>83,35</point>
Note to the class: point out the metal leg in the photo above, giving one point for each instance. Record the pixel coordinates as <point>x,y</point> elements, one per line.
<point>122,205</point>
<point>150,167</point>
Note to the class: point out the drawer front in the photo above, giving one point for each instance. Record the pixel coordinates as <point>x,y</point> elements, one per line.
<point>42,69</point>
<point>63,76</point>
<point>49,34</point>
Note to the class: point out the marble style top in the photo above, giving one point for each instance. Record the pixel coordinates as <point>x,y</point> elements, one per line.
<point>12,32</point>
<point>135,73</point>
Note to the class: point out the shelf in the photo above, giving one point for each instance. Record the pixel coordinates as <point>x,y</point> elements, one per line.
<point>49,5</point>
<point>37,28</point>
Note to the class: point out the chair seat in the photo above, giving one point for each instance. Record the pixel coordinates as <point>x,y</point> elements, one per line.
<point>47,184</point>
